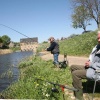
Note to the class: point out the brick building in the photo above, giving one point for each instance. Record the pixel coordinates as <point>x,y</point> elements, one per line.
<point>29,44</point>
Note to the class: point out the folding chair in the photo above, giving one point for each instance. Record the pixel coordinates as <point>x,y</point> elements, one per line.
<point>97,78</point>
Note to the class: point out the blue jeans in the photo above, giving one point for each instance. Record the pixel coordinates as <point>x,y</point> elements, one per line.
<point>55,58</point>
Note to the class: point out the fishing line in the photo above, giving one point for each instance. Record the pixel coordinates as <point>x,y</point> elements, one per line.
<point>14,30</point>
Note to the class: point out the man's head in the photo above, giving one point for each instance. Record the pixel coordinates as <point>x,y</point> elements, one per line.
<point>51,39</point>
<point>98,37</point>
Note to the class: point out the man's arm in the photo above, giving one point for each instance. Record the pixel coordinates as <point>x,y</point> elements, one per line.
<point>88,63</point>
<point>52,46</point>
<point>95,65</point>
<point>92,54</point>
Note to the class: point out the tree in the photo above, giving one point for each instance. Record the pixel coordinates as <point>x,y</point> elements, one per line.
<point>80,18</point>
<point>93,6</point>
<point>6,40</point>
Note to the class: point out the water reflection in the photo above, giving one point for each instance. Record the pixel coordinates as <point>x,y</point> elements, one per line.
<point>9,66</point>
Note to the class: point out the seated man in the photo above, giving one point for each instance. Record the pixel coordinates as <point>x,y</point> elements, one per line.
<point>87,71</point>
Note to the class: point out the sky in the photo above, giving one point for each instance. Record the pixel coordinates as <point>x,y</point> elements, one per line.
<point>38,18</point>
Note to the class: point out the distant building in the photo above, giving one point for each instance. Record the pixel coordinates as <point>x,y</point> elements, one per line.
<point>29,44</point>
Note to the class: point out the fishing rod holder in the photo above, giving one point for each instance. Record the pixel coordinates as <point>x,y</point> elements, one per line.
<point>64,63</point>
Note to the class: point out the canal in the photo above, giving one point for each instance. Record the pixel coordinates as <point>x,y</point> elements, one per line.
<point>9,71</point>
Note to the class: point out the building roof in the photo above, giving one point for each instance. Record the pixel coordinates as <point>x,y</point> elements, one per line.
<point>25,40</point>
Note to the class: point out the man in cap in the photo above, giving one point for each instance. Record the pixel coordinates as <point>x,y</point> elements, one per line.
<point>54,48</point>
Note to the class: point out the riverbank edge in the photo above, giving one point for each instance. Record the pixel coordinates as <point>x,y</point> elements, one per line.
<point>5,51</point>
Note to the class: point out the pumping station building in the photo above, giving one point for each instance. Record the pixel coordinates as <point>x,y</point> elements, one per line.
<point>29,44</point>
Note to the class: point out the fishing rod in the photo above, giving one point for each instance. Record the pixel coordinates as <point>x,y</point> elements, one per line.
<point>60,85</point>
<point>14,30</point>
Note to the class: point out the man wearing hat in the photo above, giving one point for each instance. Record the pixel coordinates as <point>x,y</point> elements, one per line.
<point>54,48</point>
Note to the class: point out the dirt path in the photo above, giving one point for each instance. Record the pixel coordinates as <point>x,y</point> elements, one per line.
<point>71,59</point>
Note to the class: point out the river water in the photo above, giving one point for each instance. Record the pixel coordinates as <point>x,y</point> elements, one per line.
<point>9,71</point>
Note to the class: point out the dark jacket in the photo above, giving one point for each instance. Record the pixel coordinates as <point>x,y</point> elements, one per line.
<point>54,47</point>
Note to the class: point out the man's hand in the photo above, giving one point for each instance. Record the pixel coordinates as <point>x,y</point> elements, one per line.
<point>87,64</point>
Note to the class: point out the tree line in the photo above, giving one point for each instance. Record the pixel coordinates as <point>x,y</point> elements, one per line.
<point>84,11</point>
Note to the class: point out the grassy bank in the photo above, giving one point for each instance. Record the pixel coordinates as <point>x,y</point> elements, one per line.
<point>5,51</point>
<point>36,76</point>
<point>10,50</point>
<point>29,87</point>
<point>79,45</point>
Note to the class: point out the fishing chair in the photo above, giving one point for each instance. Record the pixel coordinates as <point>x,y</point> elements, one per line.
<point>97,79</point>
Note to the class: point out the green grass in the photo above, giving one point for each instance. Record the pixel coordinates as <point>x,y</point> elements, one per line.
<point>15,48</point>
<point>80,45</point>
<point>28,87</point>
<point>42,47</point>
